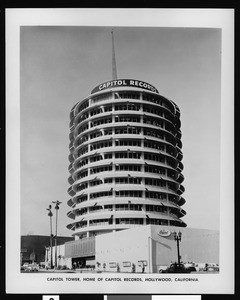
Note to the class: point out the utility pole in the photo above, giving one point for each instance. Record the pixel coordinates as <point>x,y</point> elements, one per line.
<point>57,203</point>
<point>50,214</point>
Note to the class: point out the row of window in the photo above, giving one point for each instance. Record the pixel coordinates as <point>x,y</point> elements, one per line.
<point>125,180</point>
<point>127,130</point>
<point>148,195</point>
<point>105,96</point>
<point>126,119</point>
<point>127,221</point>
<point>120,207</point>
<point>148,181</point>
<point>128,154</point>
<point>124,107</point>
<point>125,142</point>
<point>127,95</point>
<point>101,169</point>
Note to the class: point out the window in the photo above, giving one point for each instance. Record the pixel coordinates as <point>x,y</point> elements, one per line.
<point>154,157</point>
<point>156,222</point>
<point>136,207</point>
<point>128,154</point>
<point>82,163</point>
<point>129,142</point>
<point>101,169</point>
<point>128,130</point>
<point>108,132</point>
<point>95,182</point>
<point>99,145</point>
<point>129,221</point>
<point>154,133</point>
<point>107,155</point>
<point>137,194</point>
<point>82,211</point>
<point>81,224</point>
<point>82,128</point>
<point>153,121</point>
<point>82,186</point>
<point>83,106</point>
<point>99,222</point>
<point>95,208</point>
<point>96,111</point>
<point>95,134</point>
<point>107,108</point>
<point>130,106</point>
<point>154,169</point>
<point>82,140</point>
<point>102,97</point>
<point>100,194</point>
<point>82,118</point>
<point>82,174</point>
<point>155,182</point>
<point>154,145</point>
<point>82,199</point>
<point>126,264</point>
<point>95,158</point>
<point>82,151</point>
<point>128,180</point>
<point>108,180</point>
<point>127,95</point>
<point>156,208</point>
<point>127,119</point>
<point>155,195</point>
<point>101,121</point>
<point>112,265</point>
<point>153,110</point>
<point>108,207</point>
<point>134,168</point>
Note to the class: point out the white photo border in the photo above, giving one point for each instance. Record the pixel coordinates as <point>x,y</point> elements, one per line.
<point>16,282</point>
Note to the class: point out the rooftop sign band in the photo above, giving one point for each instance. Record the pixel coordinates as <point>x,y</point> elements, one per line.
<point>124,82</point>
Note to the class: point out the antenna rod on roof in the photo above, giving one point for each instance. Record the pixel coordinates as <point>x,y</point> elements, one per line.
<point>114,65</point>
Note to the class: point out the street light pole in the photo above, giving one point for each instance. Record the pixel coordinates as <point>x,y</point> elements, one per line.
<point>177,238</point>
<point>50,214</point>
<point>57,203</point>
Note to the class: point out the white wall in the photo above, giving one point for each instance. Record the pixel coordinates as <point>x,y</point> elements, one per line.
<point>145,243</point>
<point>61,259</point>
<point>129,245</point>
<point>197,245</point>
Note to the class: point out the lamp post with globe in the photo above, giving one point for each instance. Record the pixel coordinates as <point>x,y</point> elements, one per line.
<point>177,238</point>
<point>50,214</point>
<point>57,203</point>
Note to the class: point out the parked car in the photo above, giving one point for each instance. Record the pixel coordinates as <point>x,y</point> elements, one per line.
<point>176,268</point>
<point>190,267</point>
<point>33,267</point>
<point>161,269</point>
<point>211,267</point>
<point>25,265</point>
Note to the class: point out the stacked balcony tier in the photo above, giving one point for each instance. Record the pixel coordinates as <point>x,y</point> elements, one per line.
<point>125,162</point>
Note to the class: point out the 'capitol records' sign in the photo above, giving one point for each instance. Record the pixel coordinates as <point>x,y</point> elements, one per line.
<point>124,82</point>
<point>164,232</point>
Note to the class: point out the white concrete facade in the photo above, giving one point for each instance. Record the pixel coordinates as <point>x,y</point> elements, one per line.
<point>154,246</point>
<point>62,260</point>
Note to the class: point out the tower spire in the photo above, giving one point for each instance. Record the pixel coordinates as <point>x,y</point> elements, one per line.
<point>114,65</point>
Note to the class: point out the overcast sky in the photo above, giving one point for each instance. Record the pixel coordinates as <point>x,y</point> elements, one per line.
<point>59,66</point>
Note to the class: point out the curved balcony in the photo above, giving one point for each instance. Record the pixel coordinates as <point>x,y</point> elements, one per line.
<point>155,138</point>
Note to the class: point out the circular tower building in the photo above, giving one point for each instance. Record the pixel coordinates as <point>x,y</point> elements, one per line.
<point>125,160</point>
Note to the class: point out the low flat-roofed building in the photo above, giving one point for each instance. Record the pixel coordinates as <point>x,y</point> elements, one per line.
<point>153,247</point>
